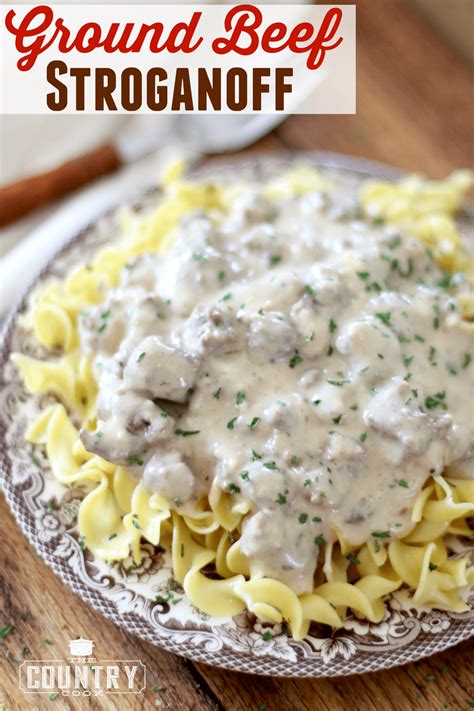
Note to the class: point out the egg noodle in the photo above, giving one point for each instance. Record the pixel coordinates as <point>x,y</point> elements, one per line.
<point>117,512</point>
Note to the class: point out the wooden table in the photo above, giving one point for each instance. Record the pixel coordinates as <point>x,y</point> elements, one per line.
<point>414,111</point>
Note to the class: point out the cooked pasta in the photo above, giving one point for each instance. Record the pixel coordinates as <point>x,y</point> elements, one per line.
<point>351,569</point>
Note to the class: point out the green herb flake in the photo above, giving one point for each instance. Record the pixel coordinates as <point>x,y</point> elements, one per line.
<point>112,536</point>
<point>34,459</point>
<point>221,275</point>
<point>141,357</point>
<point>177,501</point>
<point>338,383</point>
<point>432,566</point>
<point>4,631</point>
<point>295,460</point>
<point>316,402</point>
<point>267,636</point>
<point>302,518</point>
<point>186,433</point>
<point>403,483</point>
<point>384,317</point>
<point>363,275</point>
<point>466,361</point>
<point>239,398</point>
<point>269,465</point>
<point>436,400</point>
<point>308,289</point>
<point>332,325</point>
<point>319,540</point>
<point>381,534</point>
<point>234,489</point>
<point>363,436</point>
<point>54,696</point>
<point>316,519</point>
<point>353,559</point>
<point>226,297</point>
<point>281,499</point>
<point>255,456</point>
<point>296,360</point>
<point>337,419</point>
<point>231,423</point>
<point>407,361</point>
<point>217,394</point>
<point>254,422</point>
<point>135,459</point>
<point>274,260</point>
<point>244,475</point>
<point>199,257</point>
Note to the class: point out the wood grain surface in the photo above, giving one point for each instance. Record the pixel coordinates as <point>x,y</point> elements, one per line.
<point>415,111</point>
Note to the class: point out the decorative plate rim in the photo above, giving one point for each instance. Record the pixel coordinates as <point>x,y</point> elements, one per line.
<point>320,664</point>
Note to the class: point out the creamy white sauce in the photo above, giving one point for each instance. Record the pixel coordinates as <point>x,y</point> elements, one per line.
<point>320,373</point>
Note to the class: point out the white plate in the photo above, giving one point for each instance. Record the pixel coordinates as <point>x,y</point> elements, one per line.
<point>46,511</point>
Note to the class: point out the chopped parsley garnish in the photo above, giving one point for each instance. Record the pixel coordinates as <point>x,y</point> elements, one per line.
<point>255,455</point>
<point>354,407</point>
<point>436,400</point>
<point>112,535</point>
<point>444,282</point>
<point>337,419</point>
<point>432,354</point>
<point>281,499</point>
<point>338,383</point>
<point>419,338</point>
<point>221,274</point>
<point>269,465</point>
<point>141,357</point>
<point>302,518</point>
<point>467,360</point>
<point>407,361</point>
<point>363,275</point>
<point>136,524</point>
<point>309,289</point>
<point>363,436</point>
<point>82,542</point>
<point>239,398</point>
<point>34,459</point>
<point>403,483</point>
<point>330,350</point>
<point>295,460</point>
<point>310,337</point>
<point>316,519</point>
<point>217,394</point>
<point>384,317</point>
<point>199,257</point>
<point>436,320</point>
<point>5,630</point>
<point>353,559</point>
<point>231,423</point>
<point>432,566</point>
<point>186,433</point>
<point>274,260</point>
<point>135,459</point>
<point>226,297</point>
<point>319,540</point>
<point>296,360</point>
<point>244,475</point>
<point>177,501</point>
<point>316,402</point>
<point>307,482</point>
<point>332,325</point>
<point>53,696</point>
<point>234,489</point>
<point>381,534</point>
<point>254,422</point>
